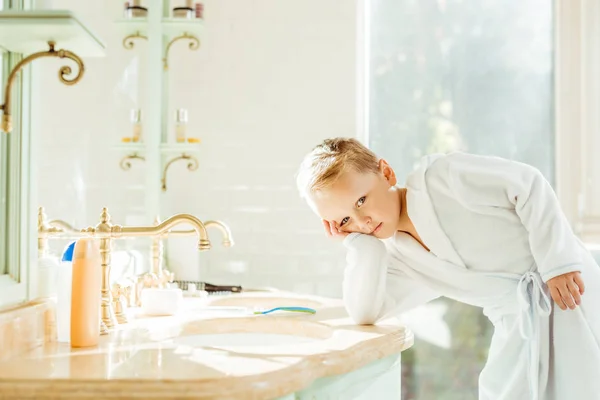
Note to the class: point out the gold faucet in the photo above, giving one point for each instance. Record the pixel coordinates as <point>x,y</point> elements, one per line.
<point>158,276</point>
<point>105,231</point>
<point>54,228</point>
<point>44,232</point>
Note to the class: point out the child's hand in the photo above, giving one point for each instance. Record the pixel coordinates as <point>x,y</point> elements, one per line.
<point>566,290</point>
<point>332,230</point>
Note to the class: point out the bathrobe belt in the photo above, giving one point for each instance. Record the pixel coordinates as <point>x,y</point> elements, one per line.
<point>534,304</point>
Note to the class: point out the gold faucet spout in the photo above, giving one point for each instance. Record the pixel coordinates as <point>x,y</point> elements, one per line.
<point>165,226</point>
<point>227,238</point>
<point>221,226</point>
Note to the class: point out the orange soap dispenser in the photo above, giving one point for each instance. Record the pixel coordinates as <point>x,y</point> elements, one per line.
<point>85,294</point>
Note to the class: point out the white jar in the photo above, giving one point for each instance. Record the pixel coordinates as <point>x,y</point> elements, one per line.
<point>63,295</point>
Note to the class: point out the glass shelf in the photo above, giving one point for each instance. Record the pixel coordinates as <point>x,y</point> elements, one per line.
<point>177,26</point>
<point>179,147</point>
<point>128,26</point>
<point>171,26</point>
<point>164,147</point>
<point>133,147</point>
<point>30,31</point>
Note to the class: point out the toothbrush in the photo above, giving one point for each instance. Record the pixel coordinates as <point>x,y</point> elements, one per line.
<point>291,309</point>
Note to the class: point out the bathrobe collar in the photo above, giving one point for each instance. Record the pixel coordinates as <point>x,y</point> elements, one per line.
<point>423,216</point>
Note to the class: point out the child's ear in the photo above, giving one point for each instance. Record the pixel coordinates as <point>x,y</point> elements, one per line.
<point>388,172</point>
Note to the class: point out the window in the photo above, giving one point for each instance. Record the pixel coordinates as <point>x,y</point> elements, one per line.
<point>457,75</point>
<point>3,198</point>
<point>3,173</point>
<point>17,214</point>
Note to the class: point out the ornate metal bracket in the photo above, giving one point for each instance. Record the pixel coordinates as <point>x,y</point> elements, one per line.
<point>125,164</point>
<point>192,166</point>
<point>193,45</point>
<point>62,73</point>
<point>128,41</point>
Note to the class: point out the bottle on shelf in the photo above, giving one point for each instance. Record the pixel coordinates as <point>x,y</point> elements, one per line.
<point>199,10</point>
<point>186,11</point>
<point>181,118</point>
<point>135,10</point>
<point>136,120</point>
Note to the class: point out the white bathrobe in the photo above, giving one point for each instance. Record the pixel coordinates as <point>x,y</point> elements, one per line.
<point>496,235</point>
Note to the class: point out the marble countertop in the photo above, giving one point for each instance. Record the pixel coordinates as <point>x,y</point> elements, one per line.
<point>146,357</point>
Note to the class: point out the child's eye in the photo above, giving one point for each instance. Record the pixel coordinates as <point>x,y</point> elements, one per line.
<point>361,201</point>
<point>345,220</point>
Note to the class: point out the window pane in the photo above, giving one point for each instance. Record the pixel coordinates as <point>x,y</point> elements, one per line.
<point>3,172</point>
<point>3,198</point>
<point>458,75</point>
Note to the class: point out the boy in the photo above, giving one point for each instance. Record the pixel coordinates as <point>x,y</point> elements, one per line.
<point>482,230</point>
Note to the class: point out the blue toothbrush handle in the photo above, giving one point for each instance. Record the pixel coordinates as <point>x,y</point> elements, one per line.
<point>291,309</point>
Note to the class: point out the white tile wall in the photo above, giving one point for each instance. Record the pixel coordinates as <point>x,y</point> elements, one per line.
<point>271,79</point>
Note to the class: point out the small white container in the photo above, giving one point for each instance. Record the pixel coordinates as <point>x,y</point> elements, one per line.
<point>64,278</point>
<point>161,301</point>
<point>47,272</point>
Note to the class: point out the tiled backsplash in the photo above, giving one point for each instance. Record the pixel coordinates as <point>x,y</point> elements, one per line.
<point>271,80</point>
<point>25,327</point>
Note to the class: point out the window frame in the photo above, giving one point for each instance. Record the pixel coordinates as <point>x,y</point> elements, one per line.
<point>577,98</point>
<point>17,278</point>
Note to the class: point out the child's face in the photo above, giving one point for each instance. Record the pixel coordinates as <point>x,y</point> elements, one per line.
<point>361,202</point>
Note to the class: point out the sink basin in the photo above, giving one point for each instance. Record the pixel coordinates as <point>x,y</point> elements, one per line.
<point>264,302</point>
<point>249,332</point>
<point>244,339</point>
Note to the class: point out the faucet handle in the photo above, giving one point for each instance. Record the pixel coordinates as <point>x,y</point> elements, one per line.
<point>151,280</point>
<point>117,292</point>
<point>165,277</point>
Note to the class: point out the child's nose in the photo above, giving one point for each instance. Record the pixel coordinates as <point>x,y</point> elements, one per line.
<point>365,224</point>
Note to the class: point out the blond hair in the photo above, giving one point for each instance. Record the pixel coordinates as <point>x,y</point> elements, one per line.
<point>329,160</point>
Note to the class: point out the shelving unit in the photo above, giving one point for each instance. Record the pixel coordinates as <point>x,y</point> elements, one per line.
<point>156,34</point>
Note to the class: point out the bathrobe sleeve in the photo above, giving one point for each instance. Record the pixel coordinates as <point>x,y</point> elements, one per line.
<point>486,184</point>
<point>373,289</point>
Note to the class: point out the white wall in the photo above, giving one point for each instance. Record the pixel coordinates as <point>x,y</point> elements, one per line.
<point>271,79</point>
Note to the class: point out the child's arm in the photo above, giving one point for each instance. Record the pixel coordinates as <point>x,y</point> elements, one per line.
<point>372,291</point>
